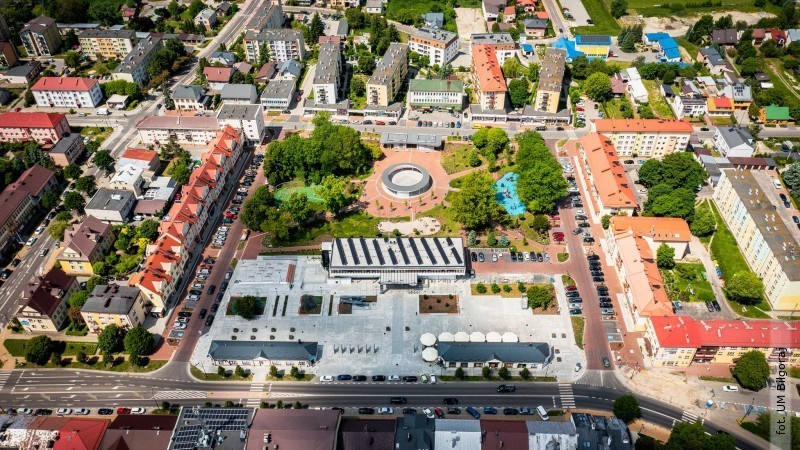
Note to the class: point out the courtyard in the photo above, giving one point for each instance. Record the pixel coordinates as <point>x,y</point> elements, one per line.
<point>381,336</point>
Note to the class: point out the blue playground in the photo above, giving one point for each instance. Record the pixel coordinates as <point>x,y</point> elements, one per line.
<point>507,194</point>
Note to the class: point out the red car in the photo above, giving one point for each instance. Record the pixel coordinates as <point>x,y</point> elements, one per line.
<point>571,287</point>
<point>439,413</point>
<point>123,411</point>
<point>378,122</point>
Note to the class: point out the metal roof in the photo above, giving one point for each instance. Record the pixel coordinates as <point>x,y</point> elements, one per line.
<point>535,352</point>
<point>252,350</point>
<point>387,253</point>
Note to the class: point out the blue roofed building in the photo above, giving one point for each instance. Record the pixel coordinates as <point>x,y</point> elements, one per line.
<point>569,46</point>
<point>593,45</point>
<point>665,43</point>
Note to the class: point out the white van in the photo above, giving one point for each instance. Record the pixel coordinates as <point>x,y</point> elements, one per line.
<point>102,112</point>
<point>542,413</point>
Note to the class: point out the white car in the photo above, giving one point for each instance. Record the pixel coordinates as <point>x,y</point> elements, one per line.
<point>193,297</point>
<point>40,230</point>
<point>428,413</point>
<point>642,191</point>
<point>385,410</point>
<point>183,320</point>
<point>31,241</point>
<point>63,411</point>
<point>24,411</point>
<point>580,211</point>
<point>138,410</point>
<point>730,388</point>
<point>433,377</point>
<point>82,412</point>
<point>179,326</point>
<point>394,377</point>
<point>138,218</point>
<point>326,378</point>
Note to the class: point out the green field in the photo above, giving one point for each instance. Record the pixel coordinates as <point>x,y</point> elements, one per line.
<point>661,8</point>
<point>613,108</point>
<point>604,22</point>
<point>789,97</point>
<point>407,11</point>
<point>657,101</point>
<point>355,224</point>
<point>455,157</point>
<point>686,283</point>
<point>16,347</point>
<point>283,193</point>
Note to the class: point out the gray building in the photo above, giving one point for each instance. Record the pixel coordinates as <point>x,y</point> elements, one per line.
<point>282,44</point>
<point>239,94</point>
<point>328,73</point>
<point>414,432</point>
<point>600,433</point>
<point>408,140</point>
<point>40,37</point>
<point>133,68</point>
<point>552,434</point>
<point>111,205</point>
<point>277,95</point>
<point>217,428</point>
<point>191,98</point>
<point>261,353</point>
<point>514,355</point>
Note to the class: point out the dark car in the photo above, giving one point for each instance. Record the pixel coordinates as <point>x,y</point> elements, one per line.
<point>105,411</point>
<point>474,256</point>
<point>378,378</point>
<point>598,279</point>
<point>409,411</point>
<point>218,298</point>
<point>398,400</point>
<point>513,256</point>
<point>526,411</point>
<point>481,258</point>
<point>709,306</point>
<point>209,320</point>
<point>606,305</point>
<point>366,410</point>
<point>184,314</point>
<point>541,128</point>
<point>593,257</point>
<point>511,411</point>
<point>211,289</point>
<point>716,306</point>
<point>223,286</point>
<point>439,413</point>
<point>559,128</point>
<point>5,274</point>
<point>704,129</point>
<point>43,412</point>
<point>575,300</point>
<point>196,292</point>
<point>203,313</point>
<point>521,257</point>
<point>573,294</point>
<point>214,307</point>
<point>344,377</point>
<point>359,378</point>
<point>597,273</point>
<point>473,412</point>
<point>794,218</point>
<point>506,388</point>
<point>491,411</point>
<point>16,261</point>
<point>783,197</point>
<point>575,311</point>
<point>450,401</point>
<point>606,362</point>
<point>410,378</point>
<point>454,410</point>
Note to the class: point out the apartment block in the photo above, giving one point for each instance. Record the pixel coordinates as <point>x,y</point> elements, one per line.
<point>282,44</point>
<point>67,150</point>
<point>747,201</point>
<point>182,129</point>
<point>734,142</point>
<point>389,75</point>
<point>44,128</point>
<point>8,55</point>
<point>107,43</point>
<point>430,95</point>
<point>328,74</point>
<point>111,205</point>
<point>112,304</point>
<point>277,95</point>
<point>191,98</point>
<point>58,92</point>
<point>247,118</point>
<point>487,76</point>
<point>16,210</point>
<point>502,43</point>
<point>606,177</point>
<point>133,68</point>
<point>44,304</point>
<point>40,37</point>
<point>268,16</point>
<point>551,79</point>
<point>85,244</point>
<point>645,138</point>
<point>680,341</point>
<point>440,46</point>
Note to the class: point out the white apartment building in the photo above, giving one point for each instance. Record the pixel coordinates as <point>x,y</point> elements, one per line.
<point>282,44</point>
<point>439,46</point>
<point>689,105</point>
<point>328,73</point>
<point>502,43</point>
<point>133,68</point>
<point>248,118</point>
<point>645,138</point>
<point>747,202</point>
<point>57,92</point>
<point>107,43</point>
<point>183,129</point>
<point>277,95</point>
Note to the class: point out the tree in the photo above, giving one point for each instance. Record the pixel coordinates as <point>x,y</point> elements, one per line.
<point>220,371</point>
<point>74,201</point>
<point>105,13</point>
<point>487,372</point>
<point>38,350</point>
<point>111,339</point>
<point>540,223</point>
<point>86,184</point>
<point>627,409</point>
<point>195,7</point>
<point>315,29</point>
<point>512,68</point>
<point>474,206</point>
<point>665,257</point>
<point>598,86</point>
<point>750,67</point>
<point>619,8</point>
<point>138,341</point>
<point>518,92</point>
<point>148,230</point>
<point>103,159</point>
<point>525,373</point>
<point>239,371</point>
<point>78,298</point>
<point>273,372</point>
<point>168,102</point>
<point>246,307</point>
<point>72,59</point>
<point>72,172</point>
<point>81,357</point>
<point>295,373</point>
<point>745,287</point>
<point>357,86</point>
<point>540,184</point>
<point>55,359</point>
<point>503,373</point>
<point>49,200</point>
<point>298,207</point>
<point>791,176</point>
<point>540,296</point>
<point>366,64</point>
<point>459,375</point>
<point>703,223</point>
<point>692,436</point>
<point>752,370</point>
<point>29,98</point>
<point>334,192</point>
<point>605,221</point>
<point>74,314</point>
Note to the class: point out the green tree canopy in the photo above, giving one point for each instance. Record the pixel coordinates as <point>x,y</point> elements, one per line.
<point>38,350</point>
<point>111,339</point>
<point>74,201</point>
<point>676,203</point>
<point>246,307</point>
<point>86,185</point>
<point>72,59</point>
<point>518,92</point>
<point>72,172</point>
<point>619,8</point>
<point>752,370</point>
<point>540,184</point>
<point>475,206</point>
<point>627,409</point>
<point>665,256</point>
<point>692,436</point>
<point>57,229</point>
<point>745,287</point>
<point>138,341</point>
<point>103,159</point>
<point>703,223</point>
<point>676,170</point>
<point>598,86</point>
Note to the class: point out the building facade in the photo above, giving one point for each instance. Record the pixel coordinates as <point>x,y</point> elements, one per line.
<point>182,129</point>
<point>40,37</point>
<point>282,44</point>
<point>111,205</point>
<point>67,150</point>
<point>85,244</point>
<point>488,78</point>
<point>43,308</point>
<point>439,46</point>
<point>436,94</point>
<point>109,304</point>
<point>645,138</point>
<point>107,43</point>
<point>606,177</point>
<point>328,74</point>
<point>551,78</point>
<point>502,43</point>
<point>58,92</point>
<point>44,128</point>
<point>133,68</point>
<point>389,75</point>
<point>247,118</point>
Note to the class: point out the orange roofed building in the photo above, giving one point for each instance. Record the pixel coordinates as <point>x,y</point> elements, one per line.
<point>645,138</point>
<point>681,340</point>
<point>606,177</point>
<point>488,78</point>
<point>187,218</point>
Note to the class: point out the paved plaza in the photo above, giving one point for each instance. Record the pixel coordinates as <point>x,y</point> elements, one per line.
<point>383,337</point>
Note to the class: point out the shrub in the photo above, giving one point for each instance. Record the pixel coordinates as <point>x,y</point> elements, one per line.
<point>487,372</point>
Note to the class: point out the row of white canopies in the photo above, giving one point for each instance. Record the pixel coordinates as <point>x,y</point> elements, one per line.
<point>428,340</point>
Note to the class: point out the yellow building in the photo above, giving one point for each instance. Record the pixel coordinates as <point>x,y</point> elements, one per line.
<point>593,46</point>
<point>44,302</point>
<point>107,43</point>
<point>747,202</point>
<point>388,77</point>
<point>85,244</point>
<point>551,77</point>
<point>114,304</point>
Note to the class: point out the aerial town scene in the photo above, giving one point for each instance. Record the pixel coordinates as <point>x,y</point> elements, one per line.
<point>399,224</point>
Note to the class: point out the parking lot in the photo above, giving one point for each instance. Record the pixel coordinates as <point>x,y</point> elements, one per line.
<point>383,336</point>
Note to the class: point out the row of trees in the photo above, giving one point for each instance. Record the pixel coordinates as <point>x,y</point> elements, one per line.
<point>137,342</point>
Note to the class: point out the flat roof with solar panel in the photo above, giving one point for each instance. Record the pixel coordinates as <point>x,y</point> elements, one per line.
<point>219,428</point>
<point>396,260</point>
<point>593,39</point>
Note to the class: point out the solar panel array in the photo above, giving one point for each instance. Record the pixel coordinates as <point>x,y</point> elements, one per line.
<point>441,251</point>
<point>190,425</point>
<point>390,252</point>
<point>428,250</point>
<point>595,39</point>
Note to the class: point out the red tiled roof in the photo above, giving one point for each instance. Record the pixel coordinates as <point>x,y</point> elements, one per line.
<point>81,434</point>
<point>608,174</point>
<point>64,84</point>
<point>510,11</point>
<point>723,102</point>
<point>542,15</point>
<point>33,180</point>
<point>218,74</point>
<point>487,68</point>
<point>140,154</point>
<point>660,229</point>
<point>684,332</point>
<point>642,125</point>
<point>30,120</point>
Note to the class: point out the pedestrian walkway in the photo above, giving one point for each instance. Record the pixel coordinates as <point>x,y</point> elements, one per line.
<point>179,395</point>
<point>566,395</point>
<point>4,378</point>
<point>689,417</point>
<point>255,402</point>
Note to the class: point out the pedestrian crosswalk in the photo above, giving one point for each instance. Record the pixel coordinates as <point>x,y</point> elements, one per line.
<point>254,401</point>
<point>566,395</point>
<point>178,395</point>
<point>689,417</point>
<point>4,378</point>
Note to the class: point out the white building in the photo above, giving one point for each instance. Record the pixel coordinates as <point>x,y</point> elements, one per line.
<point>191,98</point>
<point>734,142</point>
<point>128,178</point>
<point>111,205</point>
<point>328,73</point>
<point>436,94</point>
<point>57,92</point>
<point>248,118</point>
<point>277,95</point>
<point>439,46</point>
<point>183,129</point>
<point>690,105</point>
<point>282,44</point>
<point>457,434</point>
<point>133,68</point>
<point>645,138</point>
<point>635,85</point>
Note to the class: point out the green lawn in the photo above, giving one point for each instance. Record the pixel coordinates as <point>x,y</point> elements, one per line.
<point>722,121</point>
<point>404,11</point>
<point>657,101</point>
<point>456,157</point>
<point>441,212</point>
<point>98,133</point>
<point>687,283</point>
<point>17,347</point>
<point>577,329</point>
<point>789,97</point>
<point>704,239</point>
<point>613,108</point>
<point>200,375</point>
<point>661,8</point>
<point>690,47</point>
<point>355,224</point>
<point>727,255</point>
<point>604,22</point>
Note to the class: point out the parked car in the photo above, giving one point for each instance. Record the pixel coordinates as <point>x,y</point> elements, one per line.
<point>366,411</point>
<point>730,388</point>
<point>105,411</point>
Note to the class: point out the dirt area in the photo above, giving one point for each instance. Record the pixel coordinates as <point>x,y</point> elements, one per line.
<point>469,21</point>
<point>677,26</point>
<point>433,304</point>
